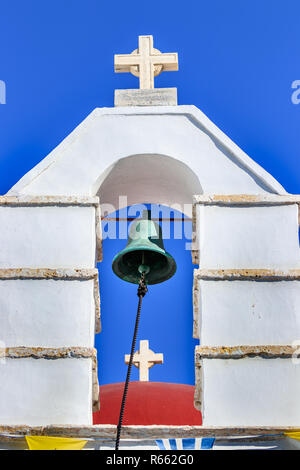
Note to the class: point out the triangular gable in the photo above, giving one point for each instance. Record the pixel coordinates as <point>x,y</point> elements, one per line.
<point>81,162</point>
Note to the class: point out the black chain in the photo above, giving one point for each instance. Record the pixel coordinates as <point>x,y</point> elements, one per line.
<point>142,290</point>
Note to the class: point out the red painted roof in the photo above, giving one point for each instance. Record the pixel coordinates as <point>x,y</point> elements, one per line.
<point>148,403</point>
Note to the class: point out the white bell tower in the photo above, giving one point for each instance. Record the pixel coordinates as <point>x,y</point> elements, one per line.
<point>246,289</point>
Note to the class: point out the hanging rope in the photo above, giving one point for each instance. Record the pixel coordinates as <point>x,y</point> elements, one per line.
<point>142,290</point>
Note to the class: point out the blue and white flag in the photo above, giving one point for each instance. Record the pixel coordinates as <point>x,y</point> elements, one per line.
<point>204,443</point>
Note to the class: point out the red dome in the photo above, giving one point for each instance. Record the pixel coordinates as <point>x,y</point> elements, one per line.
<point>148,403</point>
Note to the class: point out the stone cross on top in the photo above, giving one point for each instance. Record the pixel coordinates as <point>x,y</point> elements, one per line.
<point>146,62</point>
<point>144,359</point>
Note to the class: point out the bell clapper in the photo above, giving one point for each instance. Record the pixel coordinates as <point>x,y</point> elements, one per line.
<point>143,268</point>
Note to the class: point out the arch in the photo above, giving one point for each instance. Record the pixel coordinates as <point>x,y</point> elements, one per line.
<point>148,178</point>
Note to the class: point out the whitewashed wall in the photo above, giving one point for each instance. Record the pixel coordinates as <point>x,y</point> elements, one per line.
<point>249,312</point>
<point>45,391</point>
<point>246,310</point>
<point>248,237</point>
<point>49,310</point>
<point>251,392</point>
<point>47,236</point>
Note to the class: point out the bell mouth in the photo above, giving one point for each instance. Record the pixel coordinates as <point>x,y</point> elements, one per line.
<point>126,264</point>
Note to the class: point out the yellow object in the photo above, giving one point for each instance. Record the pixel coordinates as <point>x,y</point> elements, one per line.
<point>54,443</point>
<point>293,435</point>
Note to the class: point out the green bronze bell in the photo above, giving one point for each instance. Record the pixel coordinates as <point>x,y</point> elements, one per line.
<point>144,253</point>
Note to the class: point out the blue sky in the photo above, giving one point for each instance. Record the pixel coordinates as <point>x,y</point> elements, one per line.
<point>237,62</point>
<point>166,316</point>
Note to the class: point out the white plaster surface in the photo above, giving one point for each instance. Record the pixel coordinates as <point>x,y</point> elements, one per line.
<point>251,392</point>
<point>41,392</point>
<point>47,313</point>
<point>50,237</point>
<point>248,237</point>
<point>80,164</point>
<point>237,313</point>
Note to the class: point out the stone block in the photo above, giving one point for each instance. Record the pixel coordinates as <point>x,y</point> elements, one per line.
<point>152,97</point>
<point>250,392</point>
<point>46,391</point>
<point>48,312</point>
<point>47,236</point>
<point>246,312</point>
<point>251,237</point>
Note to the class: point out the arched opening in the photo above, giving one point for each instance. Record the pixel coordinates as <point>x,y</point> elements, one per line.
<point>167,310</point>
<point>148,178</point>
<point>167,316</point>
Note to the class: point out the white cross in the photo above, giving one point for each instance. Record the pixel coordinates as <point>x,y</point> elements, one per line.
<point>146,62</point>
<point>144,359</point>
